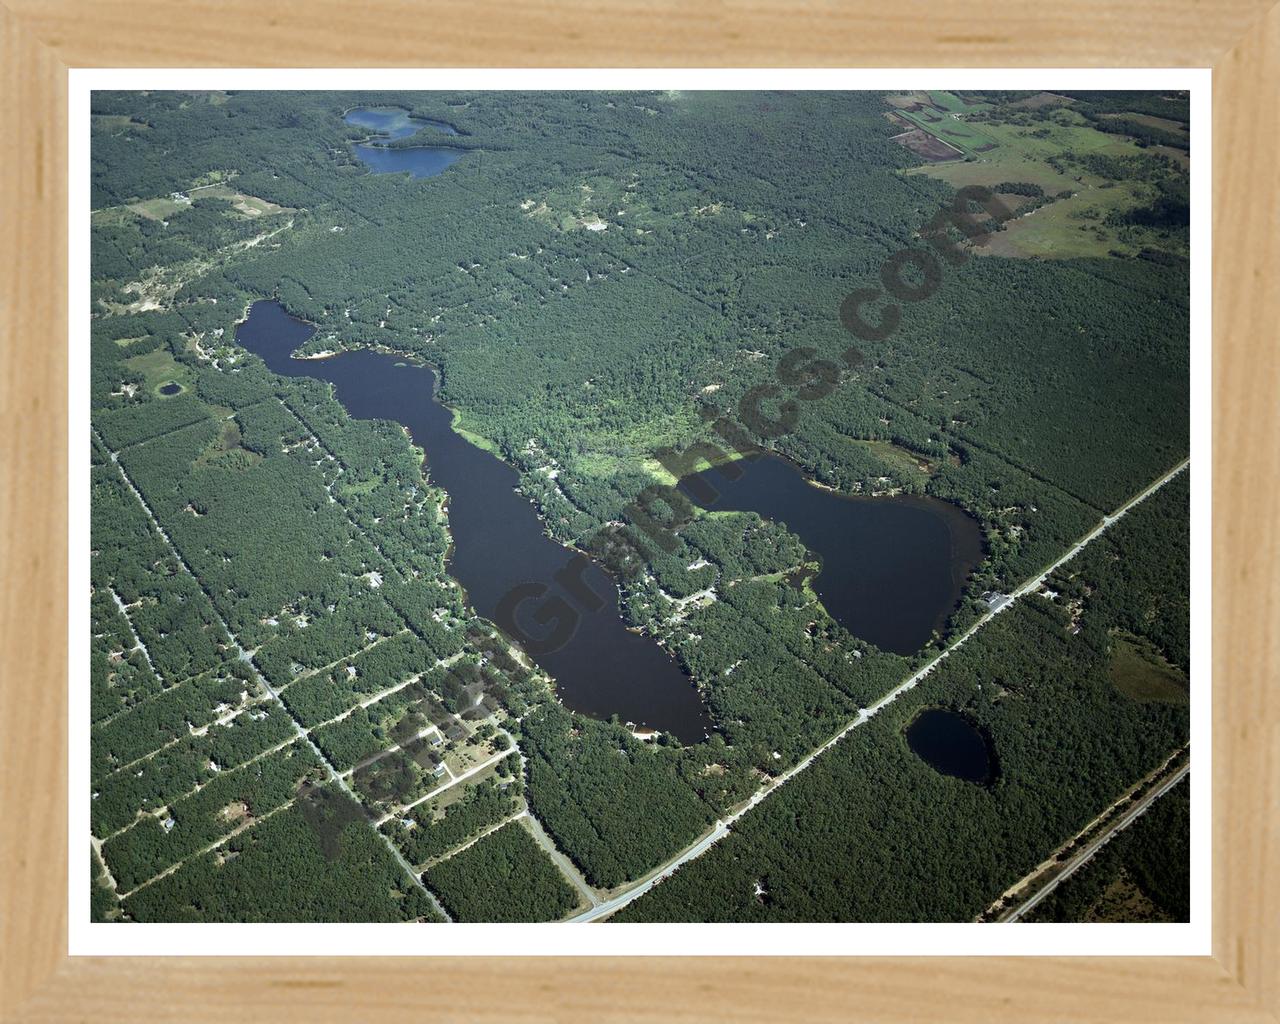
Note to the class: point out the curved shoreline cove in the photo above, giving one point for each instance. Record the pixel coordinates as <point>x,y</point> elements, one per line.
<point>390,123</point>
<point>498,540</point>
<point>951,744</point>
<point>893,568</point>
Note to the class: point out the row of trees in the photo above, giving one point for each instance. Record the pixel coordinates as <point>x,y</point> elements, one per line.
<point>176,770</point>
<point>431,836</point>
<point>200,818</point>
<point>503,877</point>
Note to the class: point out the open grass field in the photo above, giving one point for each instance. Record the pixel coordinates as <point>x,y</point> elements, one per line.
<point>1139,672</point>
<point>952,129</point>
<point>157,209</point>
<point>907,99</point>
<point>1043,99</point>
<point>159,368</point>
<point>907,462</point>
<point>1179,156</point>
<point>161,208</point>
<point>1070,227</point>
<point>997,152</point>
<point>246,205</point>
<point>120,123</point>
<point>956,102</point>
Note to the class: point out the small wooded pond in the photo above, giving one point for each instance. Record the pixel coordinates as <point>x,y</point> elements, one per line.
<point>952,744</point>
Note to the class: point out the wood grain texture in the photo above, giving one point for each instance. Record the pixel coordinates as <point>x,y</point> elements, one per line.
<point>33,512</point>
<point>651,33</point>
<point>39,39</point>
<point>1246,552</point>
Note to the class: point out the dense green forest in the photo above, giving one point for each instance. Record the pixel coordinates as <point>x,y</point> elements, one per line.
<point>103,905</point>
<point>503,877</point>
<point>601,280</point>
<point>1143,874</point>
<point>872,833</point>
<point>622,807</point>
<point>278,871</point>
<point>428,837</point>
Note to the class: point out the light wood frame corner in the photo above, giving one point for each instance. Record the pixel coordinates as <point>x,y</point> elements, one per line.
<point>42,39</point>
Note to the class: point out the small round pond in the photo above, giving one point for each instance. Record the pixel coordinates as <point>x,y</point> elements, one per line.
<point>951,744</point>
<point>170,388</point>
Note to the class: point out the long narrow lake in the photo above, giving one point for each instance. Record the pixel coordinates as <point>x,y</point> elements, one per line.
<point>498,540</point>
<point>893,568</point>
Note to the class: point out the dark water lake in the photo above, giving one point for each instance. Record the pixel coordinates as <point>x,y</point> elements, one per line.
<point>893,569</point>
<point>171,388</point>
<point>951,744</point>
<point>394,123</point>
<point>498,540</point>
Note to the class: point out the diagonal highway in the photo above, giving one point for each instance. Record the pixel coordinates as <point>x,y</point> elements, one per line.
<point>721,828</point>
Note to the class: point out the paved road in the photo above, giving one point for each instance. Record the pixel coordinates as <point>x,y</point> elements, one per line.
<point>1088,853</point>
<point>718,832</point>
<point>721,827</point>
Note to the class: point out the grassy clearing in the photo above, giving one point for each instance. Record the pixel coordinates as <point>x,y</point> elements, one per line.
<point>1140,672</point>
<point>1065,228</point>
<point>119,123</point>
<point>159,368</point>
<point>1069,227</point>
<point>1180,156</point>
<point>226,451</point>
<point>157,209</point>
<point>908,463</point>
<point>952,130</point>
<point>1043,99</point>
<point>953,103</point>
<point>479,440</point>
<point>467,754</point>
<point>246,205</point>
<point>997,166</point>
<point>599,465</point>
<point>1022,155</point>
<point>457,792</point>
<point>907,99</point>
<point>1123,901</point>
<point>364,487</point>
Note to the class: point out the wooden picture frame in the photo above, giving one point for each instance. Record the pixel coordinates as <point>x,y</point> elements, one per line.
<point>42,39</point>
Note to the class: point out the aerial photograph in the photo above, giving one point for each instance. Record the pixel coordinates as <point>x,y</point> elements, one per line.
<point>639,506</point>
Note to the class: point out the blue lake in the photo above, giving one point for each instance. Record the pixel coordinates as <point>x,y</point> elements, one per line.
<point>602,668</point>
<point>394,122</point>
<point>390,123</point>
